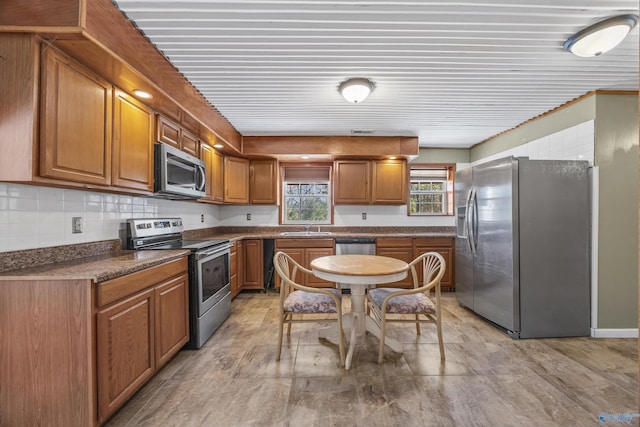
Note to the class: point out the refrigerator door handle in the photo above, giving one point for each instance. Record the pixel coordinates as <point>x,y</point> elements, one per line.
<point>473,221</point>
<point>467,220</point>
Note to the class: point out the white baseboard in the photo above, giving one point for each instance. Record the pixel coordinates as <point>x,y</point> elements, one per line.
<point>614,333</point>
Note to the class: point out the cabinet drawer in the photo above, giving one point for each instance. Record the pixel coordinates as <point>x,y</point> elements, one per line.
<point>120,287</point>
<point>304,243</point>
<point>394,242</point>
<point>433,241</point>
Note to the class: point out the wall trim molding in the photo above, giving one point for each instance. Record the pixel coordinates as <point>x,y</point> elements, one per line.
<point>614,333</point>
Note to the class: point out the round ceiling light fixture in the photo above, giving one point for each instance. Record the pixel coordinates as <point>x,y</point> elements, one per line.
<point>600,37</point>
<point>356,90</point>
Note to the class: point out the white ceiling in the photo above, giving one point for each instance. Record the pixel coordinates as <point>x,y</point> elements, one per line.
<point>451,72</point>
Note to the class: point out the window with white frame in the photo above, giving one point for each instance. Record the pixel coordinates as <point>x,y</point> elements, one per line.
<point>306,195</point>
<point>431,190</point>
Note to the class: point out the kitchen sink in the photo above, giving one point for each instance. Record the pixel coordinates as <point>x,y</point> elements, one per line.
<point>306,233</point>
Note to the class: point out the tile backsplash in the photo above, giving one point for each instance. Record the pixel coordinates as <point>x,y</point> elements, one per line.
<point>33,217</point>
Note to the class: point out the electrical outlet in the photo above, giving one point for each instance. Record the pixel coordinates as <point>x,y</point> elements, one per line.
<point>202,218</point>
<point>76,224</point>
<point>364,215</point>
<point>248,217</point>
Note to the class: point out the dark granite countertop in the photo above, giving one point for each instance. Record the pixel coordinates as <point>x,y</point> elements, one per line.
<point>104,260</point>
<point>97,268</point>
<point>239,233</point>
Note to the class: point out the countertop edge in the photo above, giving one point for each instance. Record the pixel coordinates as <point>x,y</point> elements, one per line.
<point>98,268</point>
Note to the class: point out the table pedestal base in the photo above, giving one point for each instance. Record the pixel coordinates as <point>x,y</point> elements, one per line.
<point>358,323</point>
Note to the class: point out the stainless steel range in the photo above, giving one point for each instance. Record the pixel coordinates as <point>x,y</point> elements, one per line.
<point>209,271</point>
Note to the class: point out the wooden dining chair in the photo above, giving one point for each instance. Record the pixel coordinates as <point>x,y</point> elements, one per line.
<point>386,302</point>
<point>301,300</point>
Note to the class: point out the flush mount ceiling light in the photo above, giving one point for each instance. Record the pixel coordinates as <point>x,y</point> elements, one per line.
<point>356,90</point>
<point>601,37</point>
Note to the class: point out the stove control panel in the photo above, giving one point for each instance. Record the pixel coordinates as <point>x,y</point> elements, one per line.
<point>147,227</point>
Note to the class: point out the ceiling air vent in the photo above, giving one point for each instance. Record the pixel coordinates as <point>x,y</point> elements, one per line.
<point>361,131</point>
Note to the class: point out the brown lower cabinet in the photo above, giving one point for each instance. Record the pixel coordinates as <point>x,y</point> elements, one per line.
<point>140,332</point>
<point>398,248</point>
<point>407,249</point>
<point>233,270</point>
<point>445,246</point>
<point>85,347</point>
<point>253,272</point>
<point>303,251</point>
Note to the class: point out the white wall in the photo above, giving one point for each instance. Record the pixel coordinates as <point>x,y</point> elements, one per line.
<point>344,216</point>
<point>32,217</point>
<point>574,143</point>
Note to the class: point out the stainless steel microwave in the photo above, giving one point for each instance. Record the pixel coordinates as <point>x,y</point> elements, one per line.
<point>177,174</point>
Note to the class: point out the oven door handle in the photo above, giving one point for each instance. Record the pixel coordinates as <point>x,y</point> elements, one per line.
<point>217,250</point>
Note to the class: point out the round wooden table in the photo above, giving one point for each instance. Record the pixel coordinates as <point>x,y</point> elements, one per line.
<point>359,272</point>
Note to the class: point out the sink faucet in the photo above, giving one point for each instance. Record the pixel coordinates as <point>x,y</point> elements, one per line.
<point>309,228</point>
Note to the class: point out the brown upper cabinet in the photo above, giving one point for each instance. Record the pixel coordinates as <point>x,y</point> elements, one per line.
<point>91,132</point>
<point>177,136</point>
<point>214,166</point>
<point>132,143</point>
<point>352,182</point>
<point>263,182</point>
<point>76,121</point>
<point>236,180</point>
<point>389,182</point>
<point>381,182</point>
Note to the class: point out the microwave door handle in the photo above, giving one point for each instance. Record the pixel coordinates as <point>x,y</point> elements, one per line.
<point>201,179</point>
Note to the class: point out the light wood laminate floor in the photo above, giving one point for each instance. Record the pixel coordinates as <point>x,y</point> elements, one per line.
<point>488,379</point>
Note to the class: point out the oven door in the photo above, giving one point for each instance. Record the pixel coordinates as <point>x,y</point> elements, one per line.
<point>212,268</point>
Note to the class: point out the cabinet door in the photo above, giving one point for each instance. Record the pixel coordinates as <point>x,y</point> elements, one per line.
<point>76,122</point>
<point>298,255</point>
<point>172,318</point>
<point>189,142</point>
<point>444,247</point>
<point>253,264</point>
<point>263,186</point>
<point>310,255</point>
<point>168,132</point>
<point>125,349</point>
<point>403,252</point>
<point>233,271</point>
<point>389,182</point>
<point>206,155</point>
<point>351,182</point>
<point>236,180</point>
<point>132,143</point>
<point>217,176</point>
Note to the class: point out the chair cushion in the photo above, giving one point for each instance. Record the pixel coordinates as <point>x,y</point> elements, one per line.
<point>311,302</point>
<point>403,304</point>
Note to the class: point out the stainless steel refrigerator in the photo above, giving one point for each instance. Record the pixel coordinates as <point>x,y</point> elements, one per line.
<point>523,245</point>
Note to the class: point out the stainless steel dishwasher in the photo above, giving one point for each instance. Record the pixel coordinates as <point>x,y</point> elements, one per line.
<point>355,246</point>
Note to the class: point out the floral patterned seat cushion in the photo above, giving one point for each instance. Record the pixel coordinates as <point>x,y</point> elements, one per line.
<point>403,304</point>
<point>311,302</point>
